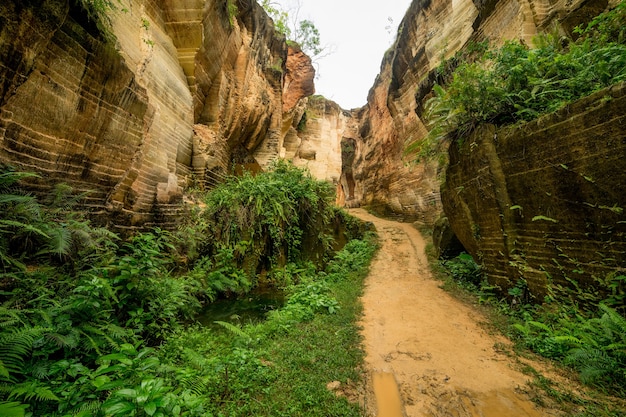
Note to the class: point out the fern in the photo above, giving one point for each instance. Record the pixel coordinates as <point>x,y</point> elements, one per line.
<point>524,329</point>
<point>197,384</point>
<point>69,340</point>
<point>23,227</point>
<point>9,317</point>
<point>601,355</point>
<point>570,340</point>
<point>195,359</point>
<point>233,329</point>
<point>32,390</point>
<point>59,242</point>
<point>613,319</point>
<point>88,409</point>
<point>540,326</point>
<point>593,364</point>
<point>15,348</point>
<point>97,337</point>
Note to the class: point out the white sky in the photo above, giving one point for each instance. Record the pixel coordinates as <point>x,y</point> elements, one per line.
<point>359,32</point>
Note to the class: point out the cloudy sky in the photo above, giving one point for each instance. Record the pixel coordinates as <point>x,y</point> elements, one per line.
<point>358,32</point>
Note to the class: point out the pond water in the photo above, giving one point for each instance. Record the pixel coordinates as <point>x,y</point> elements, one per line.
<point>250,308</point>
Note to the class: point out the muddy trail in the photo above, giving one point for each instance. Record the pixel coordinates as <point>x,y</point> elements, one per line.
<point>426,352</point>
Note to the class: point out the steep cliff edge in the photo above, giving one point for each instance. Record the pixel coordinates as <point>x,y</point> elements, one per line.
<point>539,205</point>
<point>544,202</point>
<point>175,88</point>
<point>429,33</point>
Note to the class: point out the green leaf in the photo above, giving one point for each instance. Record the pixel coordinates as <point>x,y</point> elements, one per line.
<point>548,219</point>
<point>12,409</point>
<point>118,407</point>
<point>112,357</point>
<point>150,408</point>
<point>109,369</point>
<point>109,386</point>
<point>127,393</point>
<point>99,381</point>
<point>26,227</point>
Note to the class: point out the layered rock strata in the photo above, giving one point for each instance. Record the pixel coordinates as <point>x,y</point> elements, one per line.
<point>318,137</point>
<point>393,116</point>
<point>130,108</point>
<point>543,203</point>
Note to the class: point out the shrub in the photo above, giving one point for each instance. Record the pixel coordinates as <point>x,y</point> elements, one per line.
<point>517,83</point>
<point>270,219</point>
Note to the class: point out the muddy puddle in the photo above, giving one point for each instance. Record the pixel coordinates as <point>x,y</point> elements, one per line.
<point>388,402</point>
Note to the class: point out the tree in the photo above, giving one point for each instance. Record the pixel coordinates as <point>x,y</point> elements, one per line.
<point>302,32</point>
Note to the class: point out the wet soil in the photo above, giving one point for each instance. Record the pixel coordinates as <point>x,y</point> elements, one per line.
<point>426,352</point>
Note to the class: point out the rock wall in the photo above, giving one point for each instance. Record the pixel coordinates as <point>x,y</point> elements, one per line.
<point>545,201</point>
<point>315,143</point>
<point>430,32</point>
<point>170,88</point>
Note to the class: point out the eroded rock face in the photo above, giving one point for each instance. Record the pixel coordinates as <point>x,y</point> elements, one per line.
<point>318,135</point>
<point>299,76</point>
<point>182,88</point>
<point>429,32</point>
<point>544,202</point>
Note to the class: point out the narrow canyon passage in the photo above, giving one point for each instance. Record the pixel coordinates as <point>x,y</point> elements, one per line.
<point>443,361</point>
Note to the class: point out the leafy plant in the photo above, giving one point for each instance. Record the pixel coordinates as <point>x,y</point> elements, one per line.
<point>600,350</point>
<point>232,10</point>
<point>464,269</point>
<point>516,83</point>
<point>595,346</point>
<point>102,327</point>
<point>302,33</point>
<point>265,220</point>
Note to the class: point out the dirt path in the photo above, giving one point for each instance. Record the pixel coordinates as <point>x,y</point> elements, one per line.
<point>443,361</point>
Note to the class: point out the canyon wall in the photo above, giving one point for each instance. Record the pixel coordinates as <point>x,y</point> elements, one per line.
<point>430,32</point>
<point>318,136</point>
<point>540,206</point>
<point>129,106</point>
<point>544,201</point>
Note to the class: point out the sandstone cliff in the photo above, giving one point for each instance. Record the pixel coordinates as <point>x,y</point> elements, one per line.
<point>544,201</point>
<point>537,205</point>
<point>430,32</point>
<point>173,88</point>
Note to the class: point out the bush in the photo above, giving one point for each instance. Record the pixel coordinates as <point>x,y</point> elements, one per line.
<point>464,269</point>
<point>270,219</point>
<point>99,328</point>
<point>517,83</point>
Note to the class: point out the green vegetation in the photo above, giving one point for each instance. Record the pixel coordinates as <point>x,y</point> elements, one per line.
<point>265,221</point>
<point>302,33</point>
<point>95,325</point>
<point>516,83</point>
<point>97,11</point>
<point>591,341</point>
<point>232,10</point>
<point>98,6</point>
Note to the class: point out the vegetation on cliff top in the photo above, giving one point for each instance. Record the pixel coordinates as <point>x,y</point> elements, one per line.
<point>303,33</point>
<point>95,325</point>
<point>517,83</point>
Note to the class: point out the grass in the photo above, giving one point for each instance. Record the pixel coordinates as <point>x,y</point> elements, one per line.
<point>281,367</point>
<point>98,325</point>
